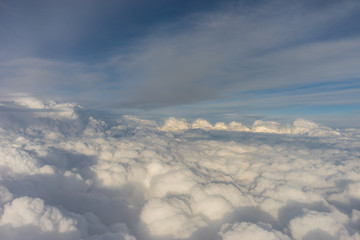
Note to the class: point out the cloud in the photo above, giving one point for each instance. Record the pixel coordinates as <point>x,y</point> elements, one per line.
<point>37,29</point>
<point>331,226</point>
<point>171,217</point>
<point>173,124</point>
<point>5,195</point>
<point>95,177</point>
<point>240,49</point>
<point>26,211</point>
<point>50,78</point>
<point>251,231</point>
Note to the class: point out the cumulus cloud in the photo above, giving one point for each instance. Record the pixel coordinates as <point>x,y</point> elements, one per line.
<point>26,211</point>
<point>315,225</point>
<point>93,177</point>
<point>171,217</point>
<point>299,126</point>
<point>247,230</point>
<point>173,124</point>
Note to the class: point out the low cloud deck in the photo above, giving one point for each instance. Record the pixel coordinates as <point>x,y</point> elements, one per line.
<point>67,174</point>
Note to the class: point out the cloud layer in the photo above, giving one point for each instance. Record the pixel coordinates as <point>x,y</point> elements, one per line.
<point>67,173</point>
<point>242,49</point>
<point>263,55</point>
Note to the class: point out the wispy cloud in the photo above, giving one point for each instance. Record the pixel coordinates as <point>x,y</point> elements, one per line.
<point>269,46</point>
<point>239,53</point>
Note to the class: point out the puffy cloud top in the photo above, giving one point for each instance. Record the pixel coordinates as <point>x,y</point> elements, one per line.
<point>26,211</point>
<point>93,178</point>
<point>299,126</point>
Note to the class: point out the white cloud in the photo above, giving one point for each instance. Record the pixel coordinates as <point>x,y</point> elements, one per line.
<point>236,126</point>
<point>267,127</point>
<point>171,217</point>
<point>173,124</point>
<point>212,206</point>
<point>316,225</point>
<point>201,124</point>
<point>5,195</point>
<point>299,126</point>
<point>26,211</point>
<point>130,178</point>
<point>17,160</point>
<point>354,190</point>
<point>247,230</point>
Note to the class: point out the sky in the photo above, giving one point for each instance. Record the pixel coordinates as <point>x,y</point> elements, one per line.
<point>179,120</point>
<point>220,60</point>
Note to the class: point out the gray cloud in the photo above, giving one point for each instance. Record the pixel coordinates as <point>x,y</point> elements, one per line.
<point>41,27</point>
<point>270,46</point>
<point>254,55</point>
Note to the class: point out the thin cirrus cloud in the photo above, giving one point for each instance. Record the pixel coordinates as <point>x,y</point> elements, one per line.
<point>235,52</point>
<point>244,49</point>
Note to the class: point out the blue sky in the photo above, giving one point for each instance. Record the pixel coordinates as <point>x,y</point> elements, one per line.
<point>223,60</point>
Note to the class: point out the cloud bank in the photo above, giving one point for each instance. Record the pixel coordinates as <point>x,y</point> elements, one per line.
<point>68,173</point>
<point>298,127</point>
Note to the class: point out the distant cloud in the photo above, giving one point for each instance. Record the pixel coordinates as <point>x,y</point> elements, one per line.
<point>299,126</point>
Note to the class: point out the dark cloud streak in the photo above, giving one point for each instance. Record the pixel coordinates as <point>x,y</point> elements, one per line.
<point>247,48</point>
<point>83,30</point>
